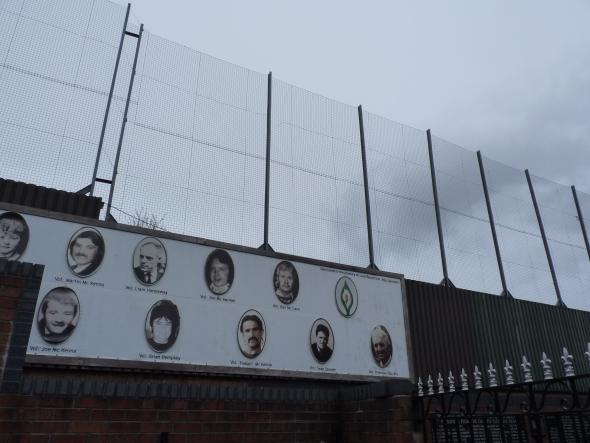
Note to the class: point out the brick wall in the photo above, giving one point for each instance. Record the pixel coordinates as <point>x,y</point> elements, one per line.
<point>62,404</point>
<point>380,420</point>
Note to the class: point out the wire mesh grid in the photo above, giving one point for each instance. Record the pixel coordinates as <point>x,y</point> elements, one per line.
<point>402,205</point>
<point>193,153</point>
<point>521,246</point>
<point>584,202</point>
<point>316,186</point>
<point>469,245</point>
<point>566,241</point>
<point>57,58</point>
<point>193,158</point>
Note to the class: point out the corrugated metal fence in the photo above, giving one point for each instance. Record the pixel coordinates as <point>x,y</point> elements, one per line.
<point>454,328</point>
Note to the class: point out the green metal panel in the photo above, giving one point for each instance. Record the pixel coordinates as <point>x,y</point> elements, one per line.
<point>454,328</point>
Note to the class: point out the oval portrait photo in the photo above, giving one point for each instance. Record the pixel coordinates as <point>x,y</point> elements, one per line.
<point>14,236</point>
<point>251,333</point>
<point>321,340</point>
<point>149,261</point>
<point>286,282</point>
<point>219,272</point>
<point>58,315</point>
<point>85,251</point>
<point>381,346</point>
<point>162,324</point>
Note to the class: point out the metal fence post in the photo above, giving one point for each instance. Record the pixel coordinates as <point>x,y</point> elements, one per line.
<point>581,218</point>
<point>116,166</point>
<point>366,186</point>
<point>445,281</point>
<point>106,114</point>
<point>505,291</point>
<point>266,246</point>
<point>544,237</point>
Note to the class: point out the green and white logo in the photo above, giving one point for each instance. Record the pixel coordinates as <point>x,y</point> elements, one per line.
<point>346,297</point>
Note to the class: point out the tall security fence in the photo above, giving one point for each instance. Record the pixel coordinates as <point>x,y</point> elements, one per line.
<point>91,102</point>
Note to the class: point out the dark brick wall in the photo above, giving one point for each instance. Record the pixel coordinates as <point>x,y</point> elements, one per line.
<point>63,404</point>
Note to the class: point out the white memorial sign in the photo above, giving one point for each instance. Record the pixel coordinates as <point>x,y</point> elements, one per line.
<point>111,296</point>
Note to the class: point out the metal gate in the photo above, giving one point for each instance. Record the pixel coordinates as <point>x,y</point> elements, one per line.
<point>553,410</point>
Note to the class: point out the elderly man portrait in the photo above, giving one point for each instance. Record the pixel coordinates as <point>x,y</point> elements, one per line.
<point>150,262</point>
<point>381,346</point>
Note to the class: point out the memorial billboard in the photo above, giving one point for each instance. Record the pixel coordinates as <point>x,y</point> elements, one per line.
<point>120,296</point>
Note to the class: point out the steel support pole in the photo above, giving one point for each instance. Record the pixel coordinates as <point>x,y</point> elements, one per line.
<point>266,246</point>
<point>581,218</point>
<point>544,237</point>
<point>110,98</point>
<point>117,157</point>
<point>484,183</point>
<point>443,257</point>
<point>372,264</point>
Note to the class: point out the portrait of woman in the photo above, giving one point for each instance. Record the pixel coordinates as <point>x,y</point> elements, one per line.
<point>14,236</point>
<point>85,251</point>
<point>149,261</point>
<point>219,272</point>
<point>162,324</point>
<point>58,315</point>
<point>286,282</point>
<point>321,340</point>
<point>381,346</point>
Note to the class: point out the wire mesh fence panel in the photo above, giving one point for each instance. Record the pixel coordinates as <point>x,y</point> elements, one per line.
<point>521,246</point>
<point>193,154</point>
<point>317,204</point>
<point>56,64</point>
<point>402,205</point>
<point>566,241</point>
<point>469,245</point>
<point>584,202</point>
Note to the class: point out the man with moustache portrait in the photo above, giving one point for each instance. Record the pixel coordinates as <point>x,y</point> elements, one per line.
<point>85,252</point>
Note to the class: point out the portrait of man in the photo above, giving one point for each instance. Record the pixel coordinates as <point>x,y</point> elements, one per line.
<point>162,324</point>
<point>85,252</point>
<point>321,340</point>
<point>14,236</point>
<point>286,282</point>
<point>149,261</point>
<point>58,315</point>
<point>219,272</point>
<point>381,346</point>
<point>251,334</point>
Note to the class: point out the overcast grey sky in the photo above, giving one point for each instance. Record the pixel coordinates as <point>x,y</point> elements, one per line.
<point>509,78</point>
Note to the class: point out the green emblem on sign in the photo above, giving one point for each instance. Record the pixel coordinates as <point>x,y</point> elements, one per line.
<point>346,297</point>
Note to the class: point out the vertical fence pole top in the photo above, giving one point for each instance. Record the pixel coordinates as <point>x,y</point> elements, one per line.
<point>505,291</point>
<point>544,238</point>
<point>372,264</point>
<point>446,281</point>
<point>265,244</point>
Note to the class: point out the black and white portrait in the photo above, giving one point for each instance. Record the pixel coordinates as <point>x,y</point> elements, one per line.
<point>162,325</point>
<point>381,346</point>
<point>321,340</point>
<point>14,236</point>
<point>149,261</point>
<point>85,252</point>
<point>219,272</point>
<point>251,333</point>
<point>58,315</point>
<point>286,282</point>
